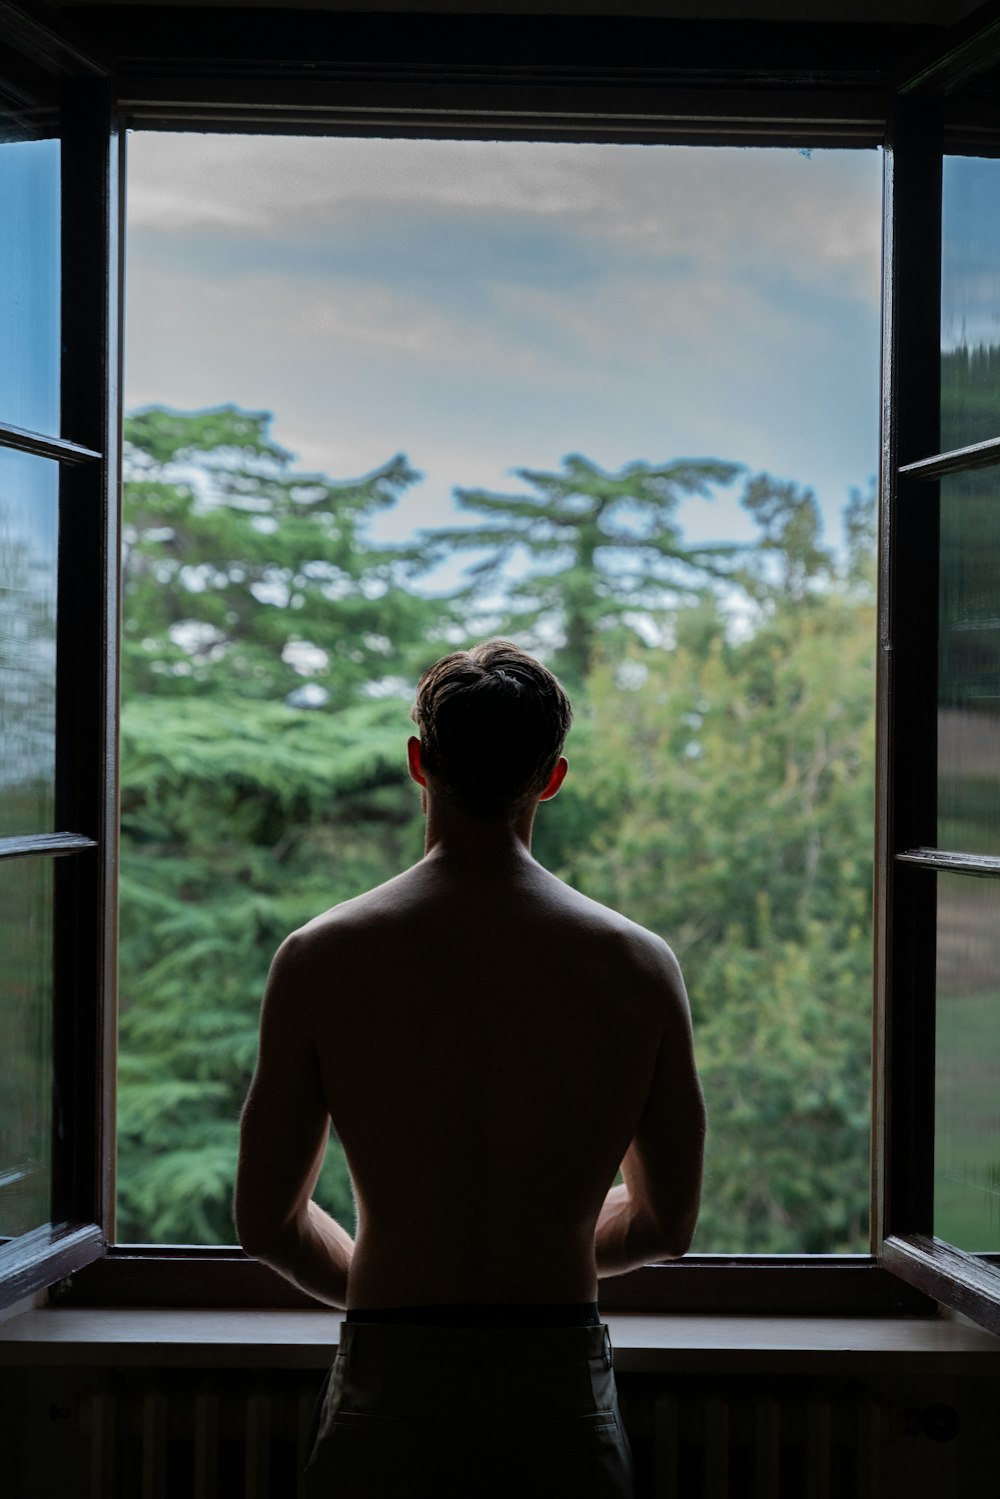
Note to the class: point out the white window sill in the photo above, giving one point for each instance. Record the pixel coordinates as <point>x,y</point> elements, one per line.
<point>643,1343</point>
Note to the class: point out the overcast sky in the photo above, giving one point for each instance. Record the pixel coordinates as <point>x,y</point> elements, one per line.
<point>482,306</point>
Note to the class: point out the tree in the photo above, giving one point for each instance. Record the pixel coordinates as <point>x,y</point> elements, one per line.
<point>239,823</point>
<point>245,577</point>
<point>606,550</point>
<point>27,666</point>
<point>720,793</point>
<point>27,723</point>
<point>788,559</point>
<point>262,780</point>
<point>727,789</point>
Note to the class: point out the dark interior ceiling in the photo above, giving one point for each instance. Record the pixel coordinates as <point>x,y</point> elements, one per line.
<point>896,12</point>
<point>858,45</point>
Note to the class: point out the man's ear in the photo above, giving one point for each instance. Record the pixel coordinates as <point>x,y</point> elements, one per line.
<point>413,757</point>
<point>555,779</point>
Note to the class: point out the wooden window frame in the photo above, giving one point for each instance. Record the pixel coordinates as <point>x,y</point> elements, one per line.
<point>920,132</point>
<point>63,90</point>
<point>546,79</point>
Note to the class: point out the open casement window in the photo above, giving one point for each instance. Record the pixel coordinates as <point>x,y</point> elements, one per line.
<point>938,1197</point>
<point>58,445</point>
<point>938,961</point>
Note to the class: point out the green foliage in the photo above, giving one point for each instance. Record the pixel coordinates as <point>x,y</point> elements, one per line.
<point>970,382</point>
<point>239,823</point>
<point>720,788</point>
<point>605,548</point>
<point>245,576</point>
<point>243,812</point>
<point>27,725</point>
<point>25,1044</point>
<point>27,674</point>
<point>729,787</point>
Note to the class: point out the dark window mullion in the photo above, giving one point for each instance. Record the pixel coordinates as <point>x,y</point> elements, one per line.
<point>958,461</point>
<point>51,845</point>
<point>907,761</point>
<point>37,443</point>
<point>950,861</point>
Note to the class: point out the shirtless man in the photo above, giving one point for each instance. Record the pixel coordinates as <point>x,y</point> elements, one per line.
<point>490,1046</point>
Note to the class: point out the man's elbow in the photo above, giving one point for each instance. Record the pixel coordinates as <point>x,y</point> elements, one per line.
<point>677,1244</point>
<point>250,1235</point>
<point>257,1231</point>
<point>655,1240</point>
<point>254,1241</point>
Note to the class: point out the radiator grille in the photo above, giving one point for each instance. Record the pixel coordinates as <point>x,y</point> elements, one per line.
<point>223,1435</point>
<point>755,1439</point>
<point>234,1435</point>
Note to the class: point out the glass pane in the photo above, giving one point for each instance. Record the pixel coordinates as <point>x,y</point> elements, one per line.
<point>28,530</point>
<point>970,301</point>
<point>25,1043</point>
<point>969,663</point>
<point>29,284</point>
<point>967,1126</point>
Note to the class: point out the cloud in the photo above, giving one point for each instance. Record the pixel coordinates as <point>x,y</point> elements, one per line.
<point>724,207</point>
<point>507,304</point>
<point>279,182</point>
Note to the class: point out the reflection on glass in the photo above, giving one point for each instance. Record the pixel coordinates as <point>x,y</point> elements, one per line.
<point>967,1064</point>
<point>28,528</point>
<point>29,284</point>
<point>969,663</point>
<point>25,1043</point>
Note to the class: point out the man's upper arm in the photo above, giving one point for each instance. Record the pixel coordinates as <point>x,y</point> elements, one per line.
<point>663,1165</point>
<point>285,1122</point>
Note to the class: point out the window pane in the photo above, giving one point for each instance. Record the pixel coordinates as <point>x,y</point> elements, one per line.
<point>969,675</point>
<point>28,531</point>
<point>967,1150</point>
<point>970,302</point>
<point>29,284</point>
<point>25,1043</point>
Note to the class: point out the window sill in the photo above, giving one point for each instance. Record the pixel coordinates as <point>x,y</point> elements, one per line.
<point>643,1342</point>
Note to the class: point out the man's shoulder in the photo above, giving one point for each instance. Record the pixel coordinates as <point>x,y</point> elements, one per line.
<point>622,936</point>
<point>339,924</point>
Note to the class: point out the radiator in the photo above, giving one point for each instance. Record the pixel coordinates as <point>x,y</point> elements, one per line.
<point>231,1435</point>
<point>220,1436</point>
<point>757,1439</point>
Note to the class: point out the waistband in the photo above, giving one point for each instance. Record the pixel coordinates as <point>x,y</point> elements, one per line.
<point>481,1314</point>
<point>458,1347</point>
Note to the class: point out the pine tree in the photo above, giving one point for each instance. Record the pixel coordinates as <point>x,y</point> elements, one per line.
<point>605,549</point>
<point>262,778</point>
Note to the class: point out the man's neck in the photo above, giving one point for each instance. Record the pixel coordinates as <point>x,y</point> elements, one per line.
<point>452,836</point>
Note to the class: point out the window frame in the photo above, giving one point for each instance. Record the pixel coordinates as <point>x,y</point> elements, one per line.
<point>907,849</point>
<point>552,79</point>
<point>61,90</point>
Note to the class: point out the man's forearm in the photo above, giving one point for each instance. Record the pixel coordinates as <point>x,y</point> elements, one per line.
<point>622,1241</point>
<point>314,1253</point>
<point>613,1234</point>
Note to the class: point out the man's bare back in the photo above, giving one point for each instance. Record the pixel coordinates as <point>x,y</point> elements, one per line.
<point>490,1045</point>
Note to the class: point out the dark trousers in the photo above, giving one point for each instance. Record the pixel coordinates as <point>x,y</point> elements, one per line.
<point>470,1413</point>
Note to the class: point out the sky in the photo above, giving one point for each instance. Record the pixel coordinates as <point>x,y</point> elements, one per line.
<point>970,282</point>
<point>29,284</point>
<point>486,306</point>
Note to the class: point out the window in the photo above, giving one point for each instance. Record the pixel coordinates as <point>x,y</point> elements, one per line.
<point>941,1216</point>
<point>54,685</point>
<point>480,309</point>
<point>582,84</point>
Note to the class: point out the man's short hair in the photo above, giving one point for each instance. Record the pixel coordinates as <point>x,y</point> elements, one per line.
<point>492,724</point>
